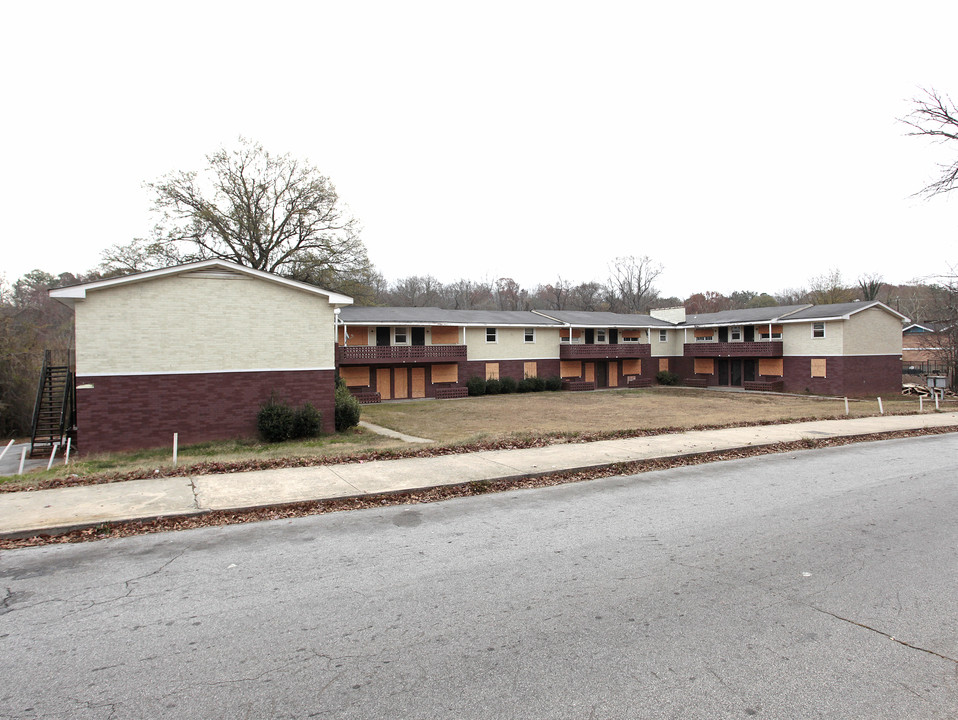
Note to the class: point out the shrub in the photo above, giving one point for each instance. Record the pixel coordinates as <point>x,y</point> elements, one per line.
<point>538,384</point>
<point>493,387</point>
<point>664,377</point>
<point>307,422</point>
<point>275,421</point>
<point>526,385</point>
<point>554,383</point>
<point>476,386</point>
<point>347,410</point>
<point>507,385</point>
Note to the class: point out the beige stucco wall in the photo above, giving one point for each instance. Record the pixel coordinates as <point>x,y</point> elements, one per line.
<point>674,345</point>
<point>511,344</point>
<point>797,339</point>
<point>192,323</point>
<point>873,332</point>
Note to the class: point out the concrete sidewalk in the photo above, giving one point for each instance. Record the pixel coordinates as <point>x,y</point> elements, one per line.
<point>58,510</point>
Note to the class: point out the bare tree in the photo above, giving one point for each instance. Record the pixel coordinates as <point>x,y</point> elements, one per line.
<point>935,116</point>
<point>555,296</point>
<point>631,279</point>
<point>269,212</point>
<point>830,288</point>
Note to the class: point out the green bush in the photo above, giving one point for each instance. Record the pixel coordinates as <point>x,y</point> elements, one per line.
<point>526,385</point>
<point>507,385</point>
<point>307,422</point>
<point>347,410</point>
<point>476,386</point>
<point>554,383</point>
<point>493,387</point>
<point>664,377</point>
<point>538,384</point>
<point>275,421</point>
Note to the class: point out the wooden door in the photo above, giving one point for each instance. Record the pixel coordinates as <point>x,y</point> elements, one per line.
<point>589,372</point>
<point>613,374</point>
<point>383,384</point>
<point>401,383</point>
<point>418,382</point>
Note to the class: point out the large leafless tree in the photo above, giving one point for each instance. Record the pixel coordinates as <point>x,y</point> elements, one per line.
<point>269,212</point>
<point>935,116</point>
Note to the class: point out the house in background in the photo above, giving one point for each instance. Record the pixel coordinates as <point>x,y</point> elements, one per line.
<point>926,350</point>
<point>195,350</point>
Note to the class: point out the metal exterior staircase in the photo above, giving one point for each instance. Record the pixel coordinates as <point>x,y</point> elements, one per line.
<point>53,413</point>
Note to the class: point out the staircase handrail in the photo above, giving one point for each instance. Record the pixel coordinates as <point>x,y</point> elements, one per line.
<point>36,406</point>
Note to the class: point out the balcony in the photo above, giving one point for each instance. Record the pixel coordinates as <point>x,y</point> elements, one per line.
<point>382,355</point>
<point>771,348</point>
<point>602,351</point>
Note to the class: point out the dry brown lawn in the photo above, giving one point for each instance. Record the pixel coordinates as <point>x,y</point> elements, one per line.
<point>499,416</point>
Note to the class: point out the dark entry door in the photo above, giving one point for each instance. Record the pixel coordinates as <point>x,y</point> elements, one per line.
<point>749,334</point>
<point>382,337</point>
<point>735,366</point>
<point>722,371</point>
<point>749,373</point>
<point>723,334</point>
<point>613,336</point>
<point>419,336</point>
<point>589,336</point>
<point>601,375</point>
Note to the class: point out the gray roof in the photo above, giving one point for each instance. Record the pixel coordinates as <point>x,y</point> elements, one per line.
<point>585,318</point>
<point>747,316</point>
<point>437,316</point>
<point>838,310</point>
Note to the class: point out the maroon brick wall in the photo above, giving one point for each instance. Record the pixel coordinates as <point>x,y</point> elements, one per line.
<point>127,412</point>
<point>852,376</point>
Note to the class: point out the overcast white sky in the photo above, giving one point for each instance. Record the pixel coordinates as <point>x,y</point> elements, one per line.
<point>744,145</point>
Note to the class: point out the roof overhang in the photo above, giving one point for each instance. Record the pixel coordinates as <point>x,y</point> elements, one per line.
<point>77,293</point>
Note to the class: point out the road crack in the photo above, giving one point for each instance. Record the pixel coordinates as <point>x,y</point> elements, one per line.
<point>887,635</point>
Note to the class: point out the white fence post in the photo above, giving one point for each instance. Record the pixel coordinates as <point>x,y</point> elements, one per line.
<point>9,444</point>
<point>881,410</point>
<point>176,440</point>
<point>23,460</point>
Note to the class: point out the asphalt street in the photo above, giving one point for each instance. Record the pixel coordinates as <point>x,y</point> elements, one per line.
<point>805,585</point>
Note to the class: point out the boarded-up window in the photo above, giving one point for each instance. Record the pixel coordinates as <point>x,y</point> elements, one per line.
<point>705,334</point>
<point>564,333</point>
<point>570,368</point>
<point>771,366</point>
<point>631,335</point>
<point>818,367</point>
<point>664,364</point>
<point>776,332</point>
<point>355,376</point>
<point>632,367</point>
<point>704,366</point>
<point>358,336</point>
<point>492,371</point>
<point>447,373</point>
<point>530,369</point>
<point>445,335</point>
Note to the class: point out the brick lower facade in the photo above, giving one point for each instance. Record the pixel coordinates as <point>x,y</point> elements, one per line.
<point>124,412</point>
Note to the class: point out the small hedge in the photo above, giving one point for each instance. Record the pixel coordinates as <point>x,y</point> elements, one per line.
<point>347,410</point>
<point>476,386</point>
<point>493,387</point>
<point>277,421</point>
<point>508,385</point>
<point>664,377</point>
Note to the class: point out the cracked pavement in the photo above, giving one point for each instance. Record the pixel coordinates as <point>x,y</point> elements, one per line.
<point>803,585</point>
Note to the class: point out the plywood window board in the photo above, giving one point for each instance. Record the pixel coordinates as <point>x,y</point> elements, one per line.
<point>632,367</point>
<point>355,376</point>
<point>771,366</point>
<point>570,368</point>
<point>704,366</point>
<point>446,373</point>
<point>442,335</point>
<point>818,367</point>
<point>530,369</point>
<point>492,371</point>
